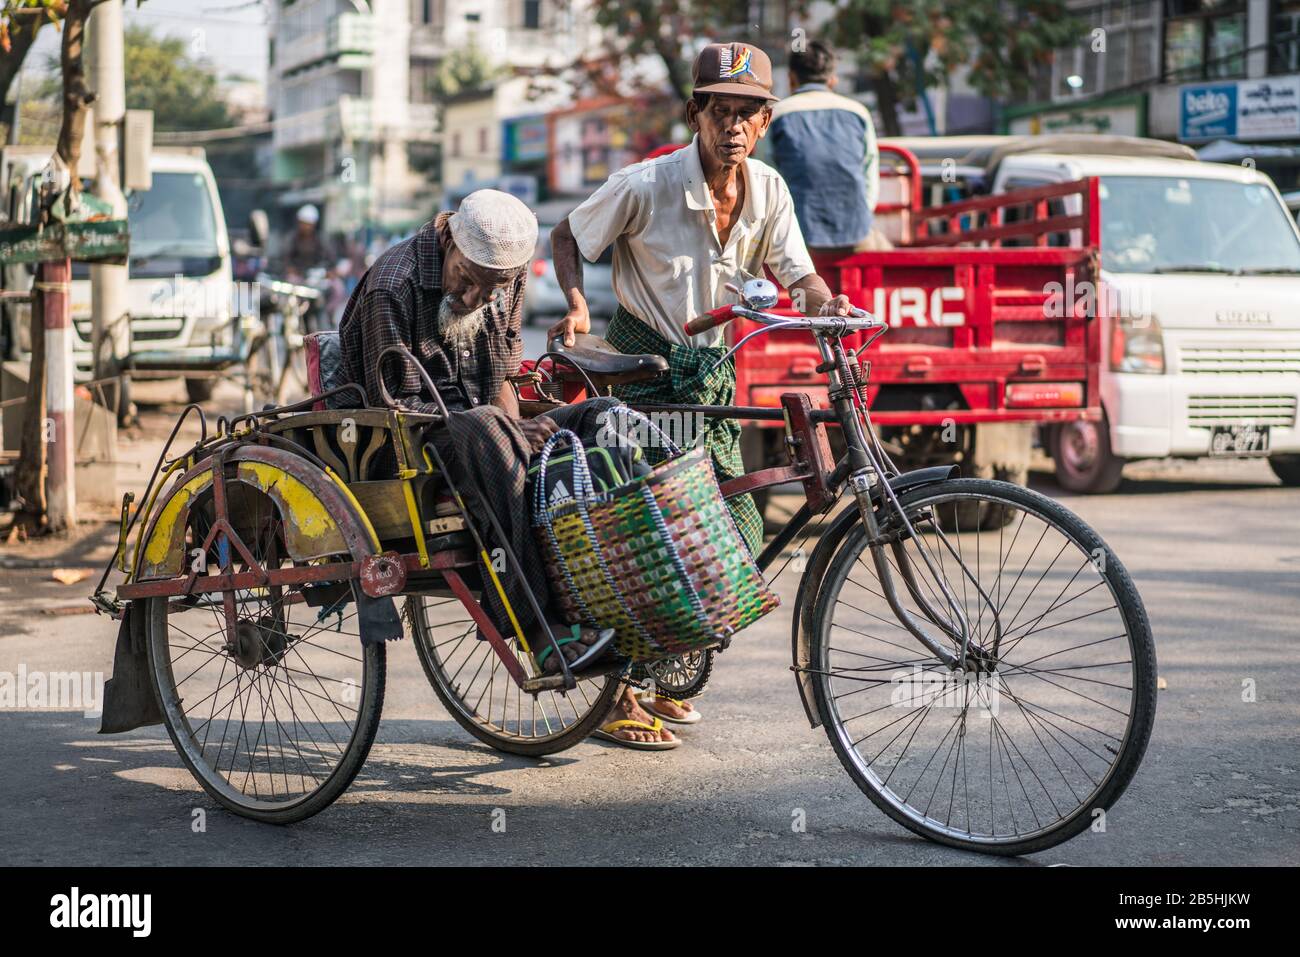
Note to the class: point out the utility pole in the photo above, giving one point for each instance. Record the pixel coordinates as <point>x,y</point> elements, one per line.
<point>59,426</point>
<point>110,310</point>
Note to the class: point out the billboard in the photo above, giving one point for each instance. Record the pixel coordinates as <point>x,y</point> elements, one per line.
<point>525,140</point>
<point>1245,110</point>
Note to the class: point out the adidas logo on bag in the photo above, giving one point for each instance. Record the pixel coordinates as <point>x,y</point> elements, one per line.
<point>559,494</point>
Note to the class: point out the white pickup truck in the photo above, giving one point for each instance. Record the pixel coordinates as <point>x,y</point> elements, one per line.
<point>180,293</point>
<point>1201,353</point>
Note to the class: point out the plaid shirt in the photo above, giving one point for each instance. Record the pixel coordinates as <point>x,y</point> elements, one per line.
<point>397,301</point>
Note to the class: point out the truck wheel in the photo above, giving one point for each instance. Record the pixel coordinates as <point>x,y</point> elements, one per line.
<point>974,515</point>
<point>200,390</point>
<point>1286,467</point>
<point>995,518</point>
<point>1084,461</point>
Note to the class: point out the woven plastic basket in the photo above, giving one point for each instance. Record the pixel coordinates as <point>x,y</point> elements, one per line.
<point>659,559</point>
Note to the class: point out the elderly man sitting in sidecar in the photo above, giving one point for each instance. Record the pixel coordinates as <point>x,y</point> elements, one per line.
<point>453,295</point>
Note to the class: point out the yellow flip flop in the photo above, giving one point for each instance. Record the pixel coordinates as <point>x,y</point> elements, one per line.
<point>606,733</point>
<point>650,702</point>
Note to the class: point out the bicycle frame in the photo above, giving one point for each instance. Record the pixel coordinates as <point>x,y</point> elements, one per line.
<point>866,469</point>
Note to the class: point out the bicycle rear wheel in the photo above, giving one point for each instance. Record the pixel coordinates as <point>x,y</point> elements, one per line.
<point>1046,727</point>
<point>479,693</point>
<point>275,722</point>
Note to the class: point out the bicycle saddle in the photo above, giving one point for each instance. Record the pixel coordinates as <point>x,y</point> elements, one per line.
<point>605,364</point>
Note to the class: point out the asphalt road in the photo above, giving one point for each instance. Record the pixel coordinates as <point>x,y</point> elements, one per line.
<point>1214,549</point>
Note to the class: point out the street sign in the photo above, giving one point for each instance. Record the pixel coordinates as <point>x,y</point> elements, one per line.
<point>104,240</point>
<point>1207,112</point>
<point>1269,108</point>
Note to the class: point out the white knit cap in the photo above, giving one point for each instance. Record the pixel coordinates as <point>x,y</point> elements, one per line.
<point>494,229</point>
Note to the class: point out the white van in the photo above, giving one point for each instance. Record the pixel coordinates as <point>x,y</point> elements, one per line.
<point>1203,261</point>
<point>180,292</point>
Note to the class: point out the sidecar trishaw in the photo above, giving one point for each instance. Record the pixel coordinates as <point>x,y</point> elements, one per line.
<point>978,656</point>
<point>278,548</point>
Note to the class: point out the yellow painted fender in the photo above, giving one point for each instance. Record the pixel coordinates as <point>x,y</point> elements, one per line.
<point>321,517</point>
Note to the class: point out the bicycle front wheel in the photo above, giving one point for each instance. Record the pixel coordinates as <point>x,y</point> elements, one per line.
<point>1039,732</point>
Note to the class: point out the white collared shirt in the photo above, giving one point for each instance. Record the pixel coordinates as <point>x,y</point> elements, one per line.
<point>669,265</point>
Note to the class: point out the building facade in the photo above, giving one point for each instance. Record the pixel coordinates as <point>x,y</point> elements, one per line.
<point>1196,71</point>
<point>356,125</point>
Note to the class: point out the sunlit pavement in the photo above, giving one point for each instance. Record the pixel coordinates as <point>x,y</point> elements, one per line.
<point>1214,549</point>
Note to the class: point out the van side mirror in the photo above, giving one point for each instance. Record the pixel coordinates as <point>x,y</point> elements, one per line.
<point>259,227</point>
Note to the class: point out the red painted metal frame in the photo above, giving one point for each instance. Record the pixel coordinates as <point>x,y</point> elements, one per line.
<point>284,577</point>
<point>810,450</point>
<point>763,478</point>
<point>956,215</point>
<point>461,591</point>
<point>913,166</point>
<point>363,556</point>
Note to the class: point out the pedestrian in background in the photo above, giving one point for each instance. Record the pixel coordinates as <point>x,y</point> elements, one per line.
<point>824,147</point>
<point>306,250</point>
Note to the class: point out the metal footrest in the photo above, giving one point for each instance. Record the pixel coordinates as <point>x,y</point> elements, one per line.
<point>537,685</point>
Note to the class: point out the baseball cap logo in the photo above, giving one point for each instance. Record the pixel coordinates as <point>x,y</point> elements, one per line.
<point>729,71</point>
<point>734,69</point>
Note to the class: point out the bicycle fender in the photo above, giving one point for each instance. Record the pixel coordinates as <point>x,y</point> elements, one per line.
<point>321,518</point>
<point>805,602</point>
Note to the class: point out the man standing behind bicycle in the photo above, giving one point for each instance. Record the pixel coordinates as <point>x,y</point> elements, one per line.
<point>824,145</point>
<point>683,226</point>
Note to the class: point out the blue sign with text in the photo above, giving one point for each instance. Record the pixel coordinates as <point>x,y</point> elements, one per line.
<point>1207,112</point>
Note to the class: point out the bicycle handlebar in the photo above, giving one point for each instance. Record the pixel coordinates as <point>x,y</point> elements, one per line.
<point>858,319</point>
<point>710,320</point>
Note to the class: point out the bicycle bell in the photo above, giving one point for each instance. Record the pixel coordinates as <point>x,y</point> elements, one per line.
<point>759,294</point>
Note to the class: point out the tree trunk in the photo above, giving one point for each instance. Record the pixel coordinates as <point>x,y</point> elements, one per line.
<point>75,95</point>
<point>22,33</point>
<point>32,465</point>
<point>31,469</point>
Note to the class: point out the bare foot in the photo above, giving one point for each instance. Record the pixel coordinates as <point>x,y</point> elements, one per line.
<point>627,707</point>
<point>570,650</point>
<point>673,708</point>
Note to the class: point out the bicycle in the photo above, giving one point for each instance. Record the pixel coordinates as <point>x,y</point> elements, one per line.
<point>997,698</point>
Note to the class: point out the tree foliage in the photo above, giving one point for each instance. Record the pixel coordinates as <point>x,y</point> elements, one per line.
<point>669,29</point>
<point>20,22</point>
<point>183,91</point>
<point>903,46</point>
<point>906,46</point>
<point>463,70</point>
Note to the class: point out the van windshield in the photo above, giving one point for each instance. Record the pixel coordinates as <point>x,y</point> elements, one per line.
<point>171,222</point>
<point>1156,224</point>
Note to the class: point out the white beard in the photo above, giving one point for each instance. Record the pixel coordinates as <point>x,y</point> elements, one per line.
<point>458,330</point>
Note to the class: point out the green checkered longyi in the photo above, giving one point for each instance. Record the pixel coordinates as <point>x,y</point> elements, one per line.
<point>691,380</point>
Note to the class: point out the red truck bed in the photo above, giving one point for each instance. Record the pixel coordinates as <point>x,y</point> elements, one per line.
<point>986,320</point>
